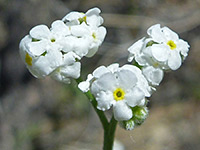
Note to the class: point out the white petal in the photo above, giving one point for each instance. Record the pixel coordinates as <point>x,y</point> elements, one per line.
<point>69,58</point>
<point>160,52</point>
<point>142,60</point>
<point>135,49</point>
<point>92,51</point>
<point>72,71</point>
<point>58,77</point>
<point>93,18</point>
<point>156,33</point>
<point>97,73</point>
<point>171,35</point>
<point>81,46</point>
<point>93,11</point>
<point>142,102</point>
<point>74,15</point>
<point>101,33</point>
<point>40,32</point>
<point>23,48</point>
<point>126,79</point>
<point>106,82</point>
<point>64,73</point>
<point>174,61</point>
<point>142,82</point>
<point>122,111</point>
<point>44,65</point>
<point>183,47</point>
<point>68,43</point>
<point>132,68</point>
<point>134,96</point>
<point>153,75</point>
<point>113,67</point>
<point>131,57</point>
<point>84,86</point>
<point>58,27</point>
<point>38,48</point>
<point>104,100</point>
<point>80,30</point>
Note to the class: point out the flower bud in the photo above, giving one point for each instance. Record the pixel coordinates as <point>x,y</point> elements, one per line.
<point>139,114</point>
<point>127,125</point>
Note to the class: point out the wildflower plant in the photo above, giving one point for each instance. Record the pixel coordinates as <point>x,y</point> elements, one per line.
<point>57,51</point>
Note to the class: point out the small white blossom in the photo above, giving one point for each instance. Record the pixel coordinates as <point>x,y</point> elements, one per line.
<point>69,69</point>
<point>153,75</point>
<point>54,52</point>
<point>43,52</point>
<point>42,65</point>
<point>91,17</point>
<point>170,49</point>
<point>44,38</point>
<point>87,27</point>
<point>95,36</point>
<point>162,50</point>
<point>120,87</point>
<point>85,85</point>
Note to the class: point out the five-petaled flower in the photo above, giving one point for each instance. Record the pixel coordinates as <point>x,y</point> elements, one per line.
<point>162,50</point>
<point>121,87</point>
<point>56,51</point>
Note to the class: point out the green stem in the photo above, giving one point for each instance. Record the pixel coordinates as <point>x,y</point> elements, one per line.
<point>100,113</point>
<point>109,135</point>
<point>109,127</point>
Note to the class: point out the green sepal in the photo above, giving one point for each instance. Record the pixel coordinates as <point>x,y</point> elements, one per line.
<point>35,40</point>
<point>150,43</point>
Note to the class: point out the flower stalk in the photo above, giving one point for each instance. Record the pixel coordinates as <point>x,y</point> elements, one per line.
<point>109,127</point>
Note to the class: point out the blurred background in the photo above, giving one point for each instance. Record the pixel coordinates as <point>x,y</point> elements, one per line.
<point>48,115</point>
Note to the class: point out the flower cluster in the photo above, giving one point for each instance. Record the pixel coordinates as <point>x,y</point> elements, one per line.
<point>56,52</point>
<point>162,50</point>
<point>121,87</point>
<point>125,89</point>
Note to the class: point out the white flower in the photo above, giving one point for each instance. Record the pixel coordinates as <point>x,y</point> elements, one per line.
<point>50,62</point>
<point>87,27</point>
<point>91,17</point>
<point>170,49</point>
<point>41,65</point>
<point>69,69</point>
<point>153,75</point>
<point>162,50</point>
<point>94,35</point>
<point>85,85</point>
<point>44,39</point>
<point>121,88</point>
<point>54,52</point>
<point>75,44</point>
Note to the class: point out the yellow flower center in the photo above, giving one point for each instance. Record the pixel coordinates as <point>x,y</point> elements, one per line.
<point>28,59</point>
<point>171,44</point>
<point>94,35</point>
<point>81,20</point>
<point>53,40</point>
<point>155,64</point>
<point>119,94</point>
